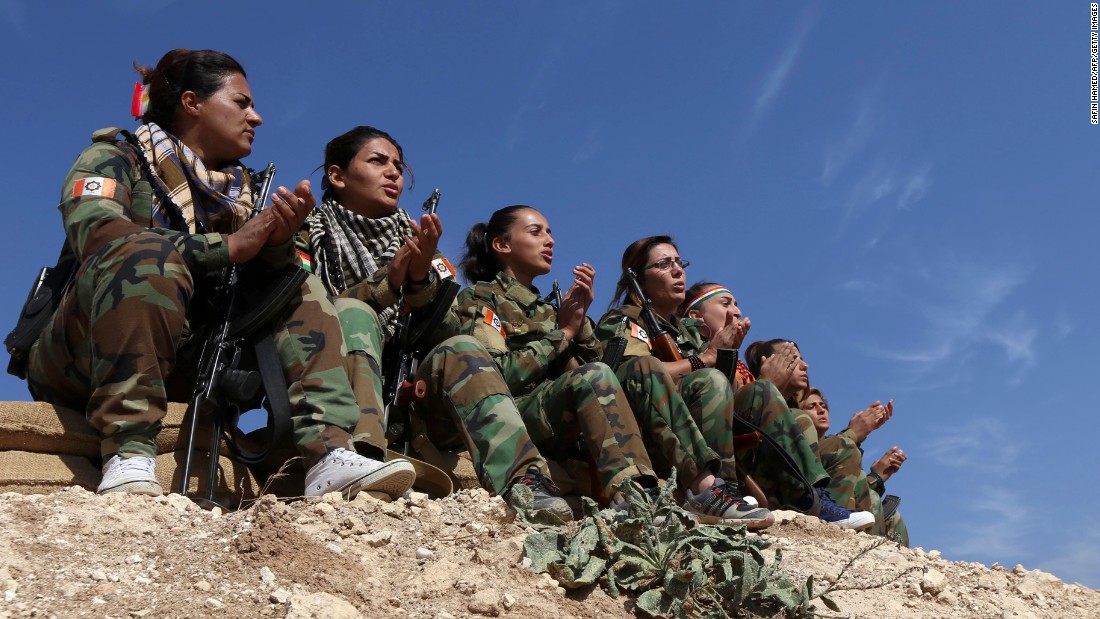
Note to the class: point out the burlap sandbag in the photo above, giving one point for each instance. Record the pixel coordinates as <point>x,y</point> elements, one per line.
<point>36,473</point>
<point>45,428</point>
<point>235,483</point>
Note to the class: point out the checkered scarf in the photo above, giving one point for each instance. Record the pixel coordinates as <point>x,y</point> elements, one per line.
<point>209,201</point>
<point>348,248</point>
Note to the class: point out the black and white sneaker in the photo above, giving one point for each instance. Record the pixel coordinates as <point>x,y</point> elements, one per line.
<point>720,504</point>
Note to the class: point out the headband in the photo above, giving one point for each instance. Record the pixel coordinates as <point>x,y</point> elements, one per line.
<point>706,294</point>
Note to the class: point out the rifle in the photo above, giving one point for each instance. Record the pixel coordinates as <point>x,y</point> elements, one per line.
<point>401,356</point>
<point>663,344</point>
<point>223,389</point>
<point>554,296</point>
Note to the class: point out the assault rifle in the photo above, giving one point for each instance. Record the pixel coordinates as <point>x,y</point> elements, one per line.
<point>401,356</point>
<point>664,346</point>
<point>224,388</point>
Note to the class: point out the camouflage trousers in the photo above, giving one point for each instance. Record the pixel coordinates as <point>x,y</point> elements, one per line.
<point>761,404</point>
<point>685,425</point>
<point>849,486</point>
<point>467,404</point>
<point>113,345</point>
<point>587,403</point>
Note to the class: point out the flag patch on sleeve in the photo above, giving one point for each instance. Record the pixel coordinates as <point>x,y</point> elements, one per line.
<point>307,262</point>
<point>493,321</point>
<point>94,186</point>
<point>443,268</point>
<point>639,333</point>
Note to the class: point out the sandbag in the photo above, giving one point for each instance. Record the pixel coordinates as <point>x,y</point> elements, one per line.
<point>235,482</point>
<point>36,473</point>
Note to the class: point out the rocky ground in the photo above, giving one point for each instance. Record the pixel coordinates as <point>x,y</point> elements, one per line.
<point>75,554</point>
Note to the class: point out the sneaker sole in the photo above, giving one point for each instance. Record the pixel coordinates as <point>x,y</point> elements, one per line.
<point>858,525</point>
<point>392,478</point>
<point>144,488</point>
<point>753,524</point>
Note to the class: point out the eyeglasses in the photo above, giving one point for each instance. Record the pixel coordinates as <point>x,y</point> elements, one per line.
<point>665,264</point>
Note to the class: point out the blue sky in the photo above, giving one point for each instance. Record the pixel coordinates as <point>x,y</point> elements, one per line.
<point>908,193</point>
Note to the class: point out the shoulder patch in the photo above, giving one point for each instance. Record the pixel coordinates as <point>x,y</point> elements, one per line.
<point>443,268</point>
<point>94,186</point>
<point>638,332</point>
<point>493,321</point>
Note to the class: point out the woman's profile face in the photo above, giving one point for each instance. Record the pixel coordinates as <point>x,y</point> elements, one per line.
<point>373,180</point>
<point>664,279</point>
<point>225,123</point>
<point>717,311</point>
<point>815,407</point>
<point>528,251</point>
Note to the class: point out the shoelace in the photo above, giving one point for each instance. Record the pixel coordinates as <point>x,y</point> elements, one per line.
<point>141,465</point>
<point>538,480</point>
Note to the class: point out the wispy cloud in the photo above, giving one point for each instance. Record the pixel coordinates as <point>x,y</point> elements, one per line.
<point>953,310</point>
<point>780,70</point>
<point>978,445</point>
<point>1076,560</point>
<point>859,134</point>
<point>591,145</point>
<point>915,187</point>
<point>996,525</point>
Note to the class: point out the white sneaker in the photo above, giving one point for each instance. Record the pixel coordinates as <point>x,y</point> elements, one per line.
<point>347,472</point>
<point>135,475</point>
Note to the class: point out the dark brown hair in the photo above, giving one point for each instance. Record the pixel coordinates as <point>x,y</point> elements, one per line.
<point>202,71</point>
<point>635,257</point>
<point>480,262</point>
<point>759,349</point>
<point>341,149</point>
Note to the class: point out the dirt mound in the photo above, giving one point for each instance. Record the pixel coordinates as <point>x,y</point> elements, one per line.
<point>72,553</point>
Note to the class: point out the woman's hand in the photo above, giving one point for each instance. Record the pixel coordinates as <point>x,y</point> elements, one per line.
<point>274,225</point>
<point>870,419</point>
<point>730,336</point>
<point>889,463</point>
<point>779,368</point>
<point>427,240</point>
<point>576,301</point>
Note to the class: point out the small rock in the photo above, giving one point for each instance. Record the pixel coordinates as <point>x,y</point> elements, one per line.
<point>417,499</point>
<point>97,601</point>
<point>9,596</point>
<point>948,598</point>
<point>334,548</point>
<point>934,554</point>
<point>70,589</point>
<point>379,539</point>
<point>423,553</point>
<point>1019,569</point>
<point>323,509</point>
<point>279,596</point>
<point>444,615</point>
<point>465,587</point>
<point>476,528</point>
<point>107,590</point>
<point>132,559</point>
<point>203,586</point>
<point>99,575</point>
<point>933,582</point>
<point>214,603</point>
<point>215,513</point>
<point>181,503</point>
<point>140,613</point>
<point>267,577</point>
<point>143,580</point>
<point>913,590</point>
<point>507,601</point>
<point>485,603</point>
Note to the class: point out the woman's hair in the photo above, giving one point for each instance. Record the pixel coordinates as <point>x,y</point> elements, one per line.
<point>480,262</point>
<point>814,391</point>
<point>635,257</point>
<point>202,71</point>
<point>341,149</point>
<point>696,289</point>
<point>756,352</point>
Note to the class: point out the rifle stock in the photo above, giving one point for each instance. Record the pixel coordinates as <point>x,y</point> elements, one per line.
<point>663,344</point>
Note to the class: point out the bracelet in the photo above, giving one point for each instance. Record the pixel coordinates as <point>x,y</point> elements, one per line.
<point>696,363</point>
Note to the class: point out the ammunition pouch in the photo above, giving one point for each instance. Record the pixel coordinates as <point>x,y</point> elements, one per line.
<point>44,297</point>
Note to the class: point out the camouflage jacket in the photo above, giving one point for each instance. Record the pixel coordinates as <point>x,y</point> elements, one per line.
<point>684,330</point>
<point>521,333</point>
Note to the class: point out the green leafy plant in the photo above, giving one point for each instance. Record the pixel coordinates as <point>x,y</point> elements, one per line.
<point>678,569</point>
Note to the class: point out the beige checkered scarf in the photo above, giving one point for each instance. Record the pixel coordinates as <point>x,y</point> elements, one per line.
<point>208,200</point>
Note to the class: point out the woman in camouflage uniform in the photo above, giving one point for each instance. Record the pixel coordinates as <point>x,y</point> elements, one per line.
<point>842,456</point>
<point>148,217</point>
<point>550,357</point>
<point>372,256</point>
